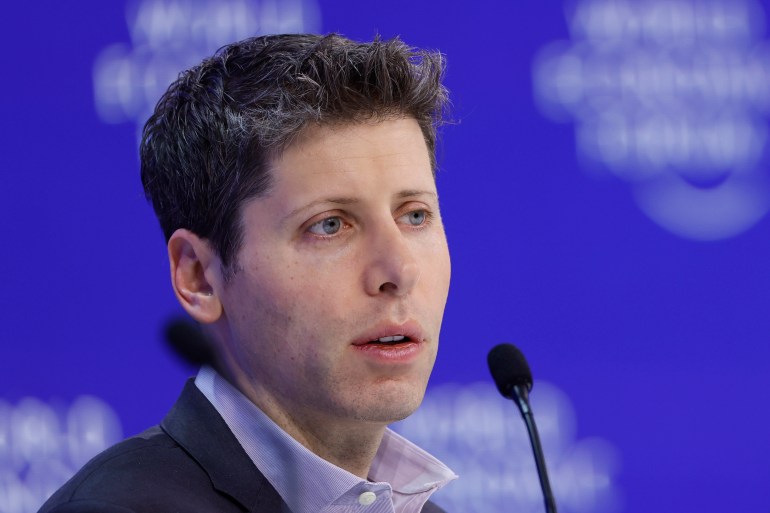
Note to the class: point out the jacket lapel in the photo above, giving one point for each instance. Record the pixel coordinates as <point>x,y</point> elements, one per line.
<point>198,428</point>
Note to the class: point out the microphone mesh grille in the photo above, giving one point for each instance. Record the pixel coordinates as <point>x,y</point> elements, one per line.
<point>509,368</point>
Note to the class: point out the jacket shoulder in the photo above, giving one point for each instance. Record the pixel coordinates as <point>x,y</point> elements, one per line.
<point>148,472</point>
<point>431,507</point>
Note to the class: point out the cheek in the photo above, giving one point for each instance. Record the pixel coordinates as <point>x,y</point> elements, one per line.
<point>299,303</point>
<point>327,286</point>
<point>437,268</point>
<point>262,303</point>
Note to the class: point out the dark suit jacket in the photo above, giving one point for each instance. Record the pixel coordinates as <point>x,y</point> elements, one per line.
<point>190,463</point>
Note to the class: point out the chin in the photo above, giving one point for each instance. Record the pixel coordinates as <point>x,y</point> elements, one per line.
<point>384,416</point>
<point>390,403</point>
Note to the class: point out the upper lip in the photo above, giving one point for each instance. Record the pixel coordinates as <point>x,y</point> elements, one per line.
<point>410,329</point>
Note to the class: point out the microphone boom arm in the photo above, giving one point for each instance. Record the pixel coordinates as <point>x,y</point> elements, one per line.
<point>520,395</point>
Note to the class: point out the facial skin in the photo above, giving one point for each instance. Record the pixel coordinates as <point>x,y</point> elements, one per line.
<point>348,246</point>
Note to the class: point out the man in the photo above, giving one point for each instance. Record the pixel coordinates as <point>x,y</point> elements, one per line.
<point>293,177</point>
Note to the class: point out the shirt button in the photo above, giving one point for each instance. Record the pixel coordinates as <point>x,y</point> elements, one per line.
<point>367,498</point>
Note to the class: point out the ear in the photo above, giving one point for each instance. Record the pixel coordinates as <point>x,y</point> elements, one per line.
<point>195,275</point>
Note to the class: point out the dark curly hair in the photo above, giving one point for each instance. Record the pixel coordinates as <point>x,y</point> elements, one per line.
<point>208,145</point>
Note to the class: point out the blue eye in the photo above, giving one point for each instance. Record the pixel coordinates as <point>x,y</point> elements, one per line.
<point>416,217</point>
<point>328,226</point>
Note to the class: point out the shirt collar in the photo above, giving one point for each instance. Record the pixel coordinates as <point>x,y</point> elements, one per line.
<point>307,482</point>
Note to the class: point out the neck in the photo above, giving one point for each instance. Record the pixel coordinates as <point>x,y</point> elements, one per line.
<point>352,448</point>
<point>348,444</point>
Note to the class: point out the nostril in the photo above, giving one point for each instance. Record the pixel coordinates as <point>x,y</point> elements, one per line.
<point>392,269</point>
<point>388,287</point>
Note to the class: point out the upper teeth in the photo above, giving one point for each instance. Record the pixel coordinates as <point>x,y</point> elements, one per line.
<point>395,338</point>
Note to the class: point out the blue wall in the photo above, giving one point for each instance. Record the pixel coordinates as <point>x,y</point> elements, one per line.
<point>605,190</point>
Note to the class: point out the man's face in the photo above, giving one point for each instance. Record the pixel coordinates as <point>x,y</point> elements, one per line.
<point>347,251</point>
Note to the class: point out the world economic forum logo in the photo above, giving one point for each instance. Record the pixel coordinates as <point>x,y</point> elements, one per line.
<point>671,96</point>
<point>168,36</point>
<point>482,437</point>
<point>43,444</point>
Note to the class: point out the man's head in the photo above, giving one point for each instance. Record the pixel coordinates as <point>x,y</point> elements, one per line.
<point>207,148</point>
<point>294,179</point>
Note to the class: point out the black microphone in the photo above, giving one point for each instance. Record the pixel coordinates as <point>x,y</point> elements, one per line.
<point>513,378</point>
<point>187,340</point>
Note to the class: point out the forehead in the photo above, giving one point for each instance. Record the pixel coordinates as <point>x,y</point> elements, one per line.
<point>382,151</point>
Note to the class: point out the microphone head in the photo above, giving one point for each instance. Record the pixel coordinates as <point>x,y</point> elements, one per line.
<point>188,342</point>
<point>509,368</point>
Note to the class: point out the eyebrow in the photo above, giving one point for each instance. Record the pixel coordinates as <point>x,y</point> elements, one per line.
<point>334,200</point>
<point>410,193</point>
<point>345,200</point>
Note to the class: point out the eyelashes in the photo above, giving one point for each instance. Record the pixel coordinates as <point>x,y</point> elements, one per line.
<point>332,226</point>
<point>328,226</point>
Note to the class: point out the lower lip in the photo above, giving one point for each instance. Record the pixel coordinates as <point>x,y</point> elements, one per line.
<point>397,353</point>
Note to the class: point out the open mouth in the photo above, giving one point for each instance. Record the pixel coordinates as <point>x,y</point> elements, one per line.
<point>390,341</point>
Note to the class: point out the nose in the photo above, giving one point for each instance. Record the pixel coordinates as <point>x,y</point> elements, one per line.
<point>391,262</point>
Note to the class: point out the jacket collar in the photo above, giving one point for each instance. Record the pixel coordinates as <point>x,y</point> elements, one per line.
<point>198,428</point>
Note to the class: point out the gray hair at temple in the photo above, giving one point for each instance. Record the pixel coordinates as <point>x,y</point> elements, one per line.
<point>207,147</point>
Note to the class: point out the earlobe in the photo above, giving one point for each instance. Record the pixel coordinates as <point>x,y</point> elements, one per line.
<point>194,273</point>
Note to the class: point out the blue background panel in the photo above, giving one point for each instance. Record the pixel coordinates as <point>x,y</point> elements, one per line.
<point>651,343</point>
